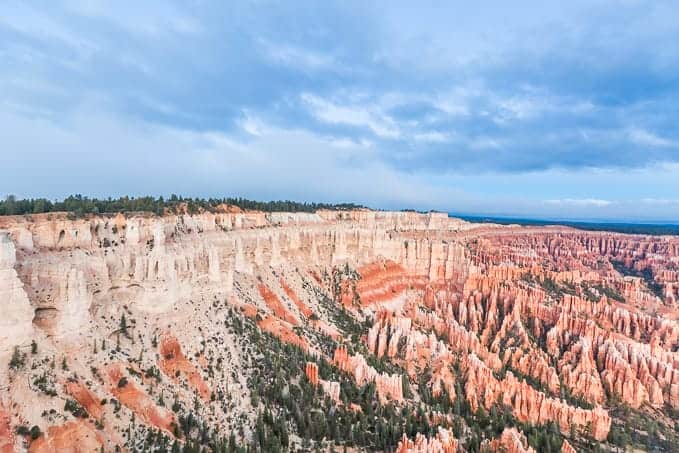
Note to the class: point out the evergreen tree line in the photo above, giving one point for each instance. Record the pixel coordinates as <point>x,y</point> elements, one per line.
<point>82,205</point>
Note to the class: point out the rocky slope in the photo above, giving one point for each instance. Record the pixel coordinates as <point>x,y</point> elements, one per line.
<point>363,330</point>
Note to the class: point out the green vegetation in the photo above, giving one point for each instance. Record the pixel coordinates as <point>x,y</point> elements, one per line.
<point>594,292</point>
<point>557,289</point>
<point>287,401</point>
<point>123,328</point>
<point>553,288</point>
<point>80,205</point>
<point>45,384</point>
<point>634,428</point>
<point>74,408</point>
<point>588,290</point>
<point>646,274</point>
<point>339,316</point>
<point>18,359</point>
<point>34,432</point>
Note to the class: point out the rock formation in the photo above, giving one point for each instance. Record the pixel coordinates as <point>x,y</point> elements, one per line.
<point>72,437</point>
<point>579,373</point>
<point>388,386</point>
<point>511,441</point>
<point>311,372</point>
<point>16,328</point>
<point>567,448</point>
<point>444,442</point>
<point>540,322</point>
<point>174,364</point>
<point>528,404</point>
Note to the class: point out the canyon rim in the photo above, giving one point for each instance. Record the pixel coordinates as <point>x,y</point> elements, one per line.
<point>335,329</point>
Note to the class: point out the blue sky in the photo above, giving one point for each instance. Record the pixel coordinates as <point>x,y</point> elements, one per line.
<point>530,108</point>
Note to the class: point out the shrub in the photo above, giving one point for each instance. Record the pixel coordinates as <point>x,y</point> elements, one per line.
<point>76,409</point>
<point>35,432</point>
<point>18,359</point>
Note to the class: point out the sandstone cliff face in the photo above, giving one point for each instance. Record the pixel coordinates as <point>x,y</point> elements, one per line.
<point>139,259</point>
<point>311,371</point>
<point>16,328</point>
<point>85,397</point>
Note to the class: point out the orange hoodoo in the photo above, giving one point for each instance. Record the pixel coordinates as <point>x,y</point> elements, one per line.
<point>312,373</point>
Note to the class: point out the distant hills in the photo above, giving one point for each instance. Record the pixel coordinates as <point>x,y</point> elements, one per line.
<point>619,227</point>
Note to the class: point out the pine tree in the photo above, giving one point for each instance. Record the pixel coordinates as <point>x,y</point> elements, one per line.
<point>18,359</point>
<point>123,325</point>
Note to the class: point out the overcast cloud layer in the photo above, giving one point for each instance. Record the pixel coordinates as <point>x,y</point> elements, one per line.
<point>513,108</point>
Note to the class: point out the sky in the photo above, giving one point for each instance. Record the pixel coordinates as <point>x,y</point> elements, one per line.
<point>523,108</point>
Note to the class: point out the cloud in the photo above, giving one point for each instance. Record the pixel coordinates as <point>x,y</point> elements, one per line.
<point>432,137</point>
<point>645,138</point>
<point>151,19</point>
<point>361,116</point>
<point>580,202</point>
<point>211,163</point>
<point>451,101</point>
<point>37,25</point>
<point>252,125</point>
<point>299,58</point>
<point>660,201</point>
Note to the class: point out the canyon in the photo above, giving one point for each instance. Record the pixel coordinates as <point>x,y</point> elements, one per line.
<point>358,329</point>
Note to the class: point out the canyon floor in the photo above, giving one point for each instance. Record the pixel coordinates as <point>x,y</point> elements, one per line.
<point>334,331</point>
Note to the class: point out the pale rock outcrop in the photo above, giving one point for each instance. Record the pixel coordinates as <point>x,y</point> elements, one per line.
<point>388,386</point>
<point>511,441</point>
<point>443,442</point>
<point>73,313</point>
<point>16,328</point>
<point>331,388</point>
